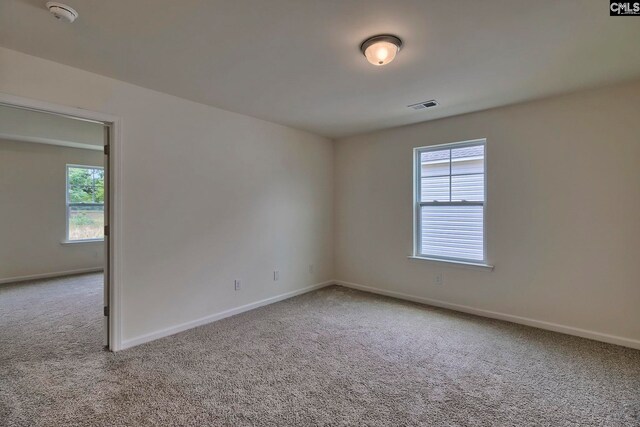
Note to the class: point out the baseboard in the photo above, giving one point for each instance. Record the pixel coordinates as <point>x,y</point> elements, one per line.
<point>569,330</point>
<point>50,275</point>
<point>218,316</point>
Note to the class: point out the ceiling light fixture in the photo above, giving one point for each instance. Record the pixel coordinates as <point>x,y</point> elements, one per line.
<point>381,49</point>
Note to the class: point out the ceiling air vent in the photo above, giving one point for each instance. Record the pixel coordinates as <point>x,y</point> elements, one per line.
<point>423,105</point>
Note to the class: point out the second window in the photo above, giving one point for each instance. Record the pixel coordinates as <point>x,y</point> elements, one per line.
<point>85,203</point>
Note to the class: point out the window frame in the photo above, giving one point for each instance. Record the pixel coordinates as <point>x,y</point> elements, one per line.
<point>418,203</point>
<point>68,204</point>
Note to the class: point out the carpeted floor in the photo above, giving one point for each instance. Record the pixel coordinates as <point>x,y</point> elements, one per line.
<point>332,357</point>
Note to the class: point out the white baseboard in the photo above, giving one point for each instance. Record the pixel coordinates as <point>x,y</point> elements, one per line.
<point>50,275</point>
<point>218,316</point>
<point>569,330</point>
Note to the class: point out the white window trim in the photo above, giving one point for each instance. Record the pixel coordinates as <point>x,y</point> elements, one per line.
<point>75,242</point>
<point>417,204</point>
<point>453,262</point>
<point>66,240</point>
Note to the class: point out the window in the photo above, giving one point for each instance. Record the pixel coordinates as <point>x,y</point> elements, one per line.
<point>85,203</point>
<point>450,199</point>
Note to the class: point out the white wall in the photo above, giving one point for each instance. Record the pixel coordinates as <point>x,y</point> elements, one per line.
<point>33,213</point>
<point>18,124</point>
<point>208,196</point>
<point>563,212</point>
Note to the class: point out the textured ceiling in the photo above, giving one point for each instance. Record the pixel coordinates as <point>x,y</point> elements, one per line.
<point>297,62</point>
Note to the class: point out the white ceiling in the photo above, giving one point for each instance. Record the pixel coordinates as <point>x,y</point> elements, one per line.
<point>297,62</point>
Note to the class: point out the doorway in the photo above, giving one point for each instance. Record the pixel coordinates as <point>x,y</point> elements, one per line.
<point>77,146</point>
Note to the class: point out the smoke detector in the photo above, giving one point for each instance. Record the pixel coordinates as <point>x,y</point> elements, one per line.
<point>61,11</point>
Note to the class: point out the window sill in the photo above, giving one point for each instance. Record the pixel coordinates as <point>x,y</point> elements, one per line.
<point>74,242</point>
<point>459,263</point>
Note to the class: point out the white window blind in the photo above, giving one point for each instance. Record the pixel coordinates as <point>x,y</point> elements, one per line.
<point>450,197</point>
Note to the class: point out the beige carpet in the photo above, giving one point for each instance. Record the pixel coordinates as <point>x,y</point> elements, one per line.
<point>333,357</point>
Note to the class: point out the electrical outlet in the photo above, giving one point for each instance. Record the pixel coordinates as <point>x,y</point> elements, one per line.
<point>237,285</point>
<point>276,275</point>
<point>439,278</point>
<point>310,268</point>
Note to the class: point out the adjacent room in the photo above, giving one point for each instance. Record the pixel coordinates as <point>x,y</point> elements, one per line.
<point>52,246</point>
<point>304,213</point>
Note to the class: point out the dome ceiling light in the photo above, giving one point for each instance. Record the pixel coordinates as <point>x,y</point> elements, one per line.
<point>382,49</point>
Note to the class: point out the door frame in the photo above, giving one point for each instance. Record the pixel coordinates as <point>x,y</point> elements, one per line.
<point>113,242</point>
